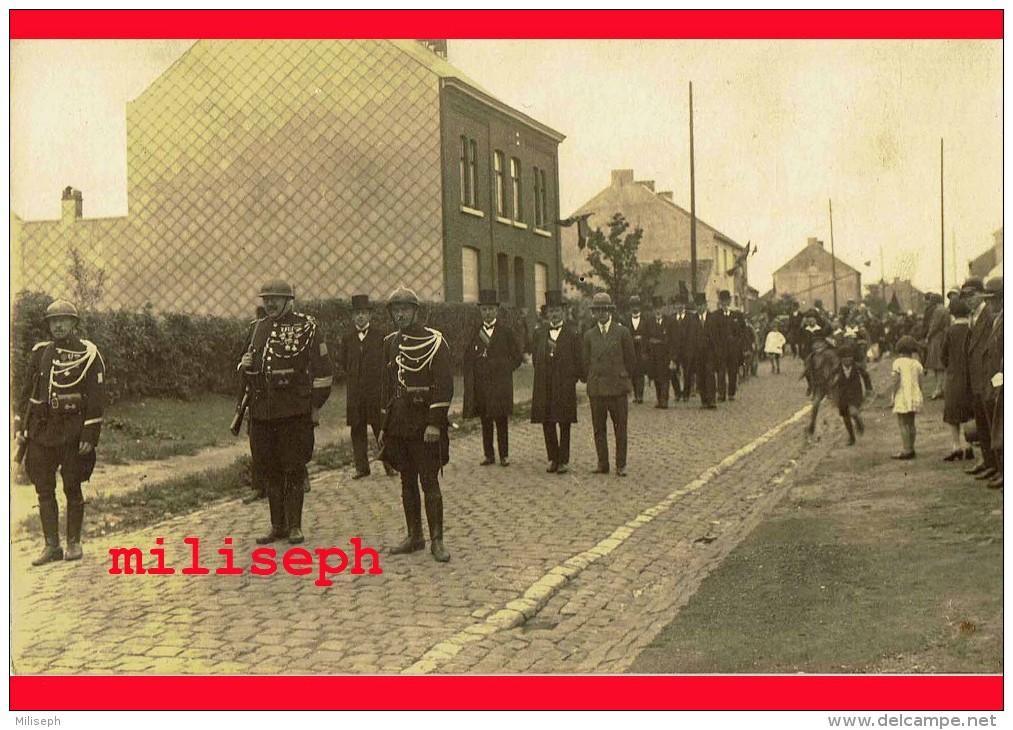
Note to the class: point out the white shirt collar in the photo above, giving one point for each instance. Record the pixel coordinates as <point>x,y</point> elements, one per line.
<point>605,327</point>
<point>489,326</point>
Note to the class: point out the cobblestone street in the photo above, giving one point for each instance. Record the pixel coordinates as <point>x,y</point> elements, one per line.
<point>549,573</point>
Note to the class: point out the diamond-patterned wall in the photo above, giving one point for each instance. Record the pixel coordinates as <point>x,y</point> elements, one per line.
<point>315,161</point>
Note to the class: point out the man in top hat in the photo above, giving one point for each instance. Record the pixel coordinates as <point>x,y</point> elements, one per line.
<point>362,358</point>
<point>706,338</point>
<point>416,391</point>
<point>658,352</point>
<point>289,375</point>
<point>637,324</point>
<point>608,356</point>
<point>556,356</point>
<point>62,400</point>
<point>992,371</point>
<point>974,295</point>
<point>491,354</point>
<point>729,346</point>
<point>680,347</point>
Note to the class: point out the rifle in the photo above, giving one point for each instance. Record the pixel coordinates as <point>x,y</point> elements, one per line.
<point>244,403</point>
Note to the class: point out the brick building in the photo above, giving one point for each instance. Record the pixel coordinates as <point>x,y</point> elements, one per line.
<point>344,166</point>
<point>666,238</point>
<point>809,275</point>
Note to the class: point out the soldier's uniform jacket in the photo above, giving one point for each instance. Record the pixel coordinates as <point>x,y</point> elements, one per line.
<point>363,363</point>
<point>65,390</point>
<point>417,384</point>
<point>291,373</point>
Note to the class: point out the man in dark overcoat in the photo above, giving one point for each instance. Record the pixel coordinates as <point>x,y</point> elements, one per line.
<point>706,335</point>
<point>729,347</point>
<point>557,368</point>
<point>638,324</point>
<point>681,333</point>
<point>608,358</point>
<point>658,352</point>
<point>491,354</point>
<point>992,373</point>
<point>973,293</point>
<point>362,358</point>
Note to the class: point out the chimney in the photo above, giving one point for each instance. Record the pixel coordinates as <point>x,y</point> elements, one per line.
<point>813,241</point>
<point>667,195</point>
<point>622,177</point>
<point>437,46</point>
<point>648,183</point>
<point>71,204</point>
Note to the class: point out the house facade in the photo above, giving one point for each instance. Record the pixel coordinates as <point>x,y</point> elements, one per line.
<point>343,166</point>
<point>667,232</point>
<point>809,275</point>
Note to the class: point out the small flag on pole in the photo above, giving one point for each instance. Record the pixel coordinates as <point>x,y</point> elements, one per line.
<point>583,228</point>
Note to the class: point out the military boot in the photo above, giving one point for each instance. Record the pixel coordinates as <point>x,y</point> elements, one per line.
<point>413,518</point>
<point>49,514</point>
<point>434,515</point>
<point>293,509</point>
<point>75,518</point>
<point>276,504</point>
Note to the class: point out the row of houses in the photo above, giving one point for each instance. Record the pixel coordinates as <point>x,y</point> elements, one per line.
<point>358,166</point>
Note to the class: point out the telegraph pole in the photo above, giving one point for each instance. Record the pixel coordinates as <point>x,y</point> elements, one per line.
<point>692,200</point>
<point>942,234</point>
<point>833,258</point>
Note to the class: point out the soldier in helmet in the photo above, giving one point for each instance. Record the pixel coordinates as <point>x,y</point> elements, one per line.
<point>416,388</point>
<point>63,399</point>
<point>289,375</point>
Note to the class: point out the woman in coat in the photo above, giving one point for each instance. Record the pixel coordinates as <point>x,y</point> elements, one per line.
<point>957,404</point>
<point>934,334</point>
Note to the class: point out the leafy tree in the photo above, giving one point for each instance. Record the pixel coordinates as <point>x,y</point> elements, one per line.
<point>613,265</point>
<point>89,280</point>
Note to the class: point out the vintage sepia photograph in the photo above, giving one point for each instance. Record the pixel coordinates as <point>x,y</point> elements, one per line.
<point>506,357</point>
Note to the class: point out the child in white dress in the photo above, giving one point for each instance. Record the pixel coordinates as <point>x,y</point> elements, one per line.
<point>907,393</point>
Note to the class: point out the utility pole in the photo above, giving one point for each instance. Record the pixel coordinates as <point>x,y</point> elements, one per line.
<point>942,234</point>
<point>692,200</point>
<point>833,258</point>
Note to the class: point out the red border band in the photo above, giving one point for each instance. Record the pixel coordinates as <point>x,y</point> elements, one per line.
<point>830,693</point>
<point>785,24</point>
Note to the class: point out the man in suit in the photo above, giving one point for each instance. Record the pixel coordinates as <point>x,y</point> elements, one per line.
<point>680,351</point>
<point>608,359</point>
<point>556,356</point>
<point>657,352</point>
<point>729,347</point>
<point>362,357</point>
<point>705,337</point>
<point>638,325</point>
<point>992,372</point>
<point>973,293</point>
<point>491,354</point>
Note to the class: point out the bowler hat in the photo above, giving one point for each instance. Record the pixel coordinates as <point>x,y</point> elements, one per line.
<point>360,301</point>
<point>993,287</point>
<point>724,296</point>
<point>635,301</point>
<point>602,300</point>
<point>972,285</point>
<point>554,298</point>
<point>488,296</point>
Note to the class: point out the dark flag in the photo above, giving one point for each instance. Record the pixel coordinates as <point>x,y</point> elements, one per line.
<point>740,261</point>
<point>583,228</point>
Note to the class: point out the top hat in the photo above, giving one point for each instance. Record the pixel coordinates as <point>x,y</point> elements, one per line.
<point>489,297</point>
<point>724,296</point>
<point>657,301</point>
<point>554,298</point>
<point>680,298</point>
<point>360,301</point>
<point>700,298</point>
<point>602,300</point>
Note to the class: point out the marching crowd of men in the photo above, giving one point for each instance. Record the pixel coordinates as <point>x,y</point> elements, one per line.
<point>400,387</point>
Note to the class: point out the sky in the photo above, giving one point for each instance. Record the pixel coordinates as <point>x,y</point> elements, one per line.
<point>781,129</point>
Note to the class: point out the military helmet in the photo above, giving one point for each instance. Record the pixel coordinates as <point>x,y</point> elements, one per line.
<point>277,288</point>
<point>62,308</point>
<point>403,295</point>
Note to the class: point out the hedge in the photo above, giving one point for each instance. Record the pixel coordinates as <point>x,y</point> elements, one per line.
<point>183,356</point>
